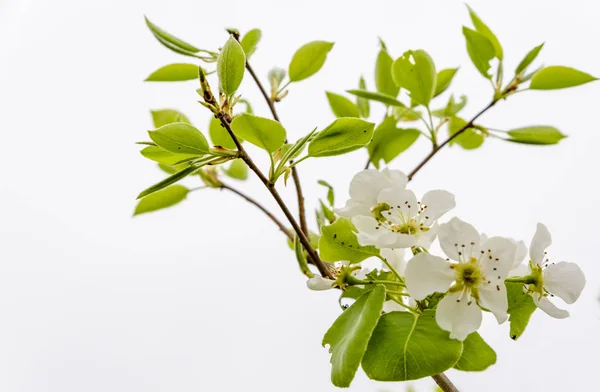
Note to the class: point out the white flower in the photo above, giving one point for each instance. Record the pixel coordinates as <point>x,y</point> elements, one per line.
<point>478,277</point>
<point>396,258</point>
<point>398,220</point>
<point>319,283</point>
<point>365,187</point>
<point>564,280</point>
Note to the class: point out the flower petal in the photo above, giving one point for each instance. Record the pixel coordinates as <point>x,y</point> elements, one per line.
<point>458,316</point>
<point>520,253</point>
<point>496,257</point>
<point>396,259</point>
<point>353,208</point>
<point>494,298</point>
<point>426,238</point>
<point>435,204</point>
<point>403,202</point>
<point>395,177</point>
<point>319,283</point>
<point>370,233</point>
<point>540,241</point>
<point>392,306</point>
<point>520,270</point>
<point>547,306</point>
<point>456,233</point>
<point>565,280</point>
<point>426,274</point>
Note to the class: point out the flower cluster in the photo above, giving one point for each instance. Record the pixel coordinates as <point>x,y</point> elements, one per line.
<point>472,275</point>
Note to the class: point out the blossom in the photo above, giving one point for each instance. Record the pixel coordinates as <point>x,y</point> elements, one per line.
<point>398,220</point>
<point>564,279</point>
<point>396,258</point>
<point>319,283</point>
<point>365,188</point>
<point>478,275</point>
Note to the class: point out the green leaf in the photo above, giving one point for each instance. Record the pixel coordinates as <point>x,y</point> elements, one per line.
<point>344,135</point>
<point>389,141</point>
<point>469,139</point>
<point>237,170</point>
<point>160,155</point>
<point>383,74</point>
<point>342,106</point>
<point>406,114</point>
<point>230,66</point>
<point>338,242</point>
<point>170,41</point>
<point>444,78</point>
<point>476,356</point>
<point>172,169</point>
<point>308,60</point>
<point>262,132</point>
<point>250,41</point>
<point>480,49</point>
<point>362,103</point>
<point>219,135</point>
<point>556,77</point>
<point>181,138</point>
<point>528,59</point>
<point>536,135</point>
<point>415,72</point>
<point>452,108</point>
<point>161,199</point>
<point>520,308</point>
<point>483,29</point>
<point>167,116</point>
<point>350,333</point>
<point>174,73</point>
<point>408,347</point>
<point>330,193</point>
<point>379,97</point>
<point>168,181</point>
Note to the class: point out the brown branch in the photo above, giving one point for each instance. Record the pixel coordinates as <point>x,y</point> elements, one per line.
<point>312,253</point>
<point>296,178</point>
<point>444,383</point>
<point>262,208</point>
<point>459,132</point>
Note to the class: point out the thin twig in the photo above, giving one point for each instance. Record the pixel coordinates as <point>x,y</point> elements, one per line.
<point>271,188</point>
<point>262,208</point>
<point>296,178</point>
<point>459,132</point>
<point>444,383</point>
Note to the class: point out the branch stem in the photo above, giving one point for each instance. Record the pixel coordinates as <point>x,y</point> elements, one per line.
<point>444,383</point>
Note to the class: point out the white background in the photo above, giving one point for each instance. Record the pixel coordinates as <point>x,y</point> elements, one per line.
<point>206,296</point>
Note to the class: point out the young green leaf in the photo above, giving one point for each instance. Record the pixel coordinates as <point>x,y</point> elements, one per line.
<point>342,106</point>
<point>383,74</point>
<point>528,59</point>
<point>483,29</point>
<point>344,135</point>
<point>476,356</point>
<point>160,155</point>
<point>181,138</point>
<point>444,78</point>
<point>338,242</point>
<point>536,135</point>
<point>406,114</point>
<point>480,49</point>
<point>230,66</point>
<point>174,73</point>
<point>469,139</point>
<point>330,193</point>
<point>556,77</point>
<point>452,108</point>
<point>389,141</point>
<point>168,181</point>
<point>262,132</point>
<point>167,116</point>
<point>219,135</point>
<point>170,41</point>
<point>350,333</point>
<point>237,170</point>
<point>375,96</point>
<point>405,346</point>
<point>415,72</point>
<point>520,308</point>
<point>162,199</point>
<point>250,41</point>
<point>308,60</point>
<point>362,103</point>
